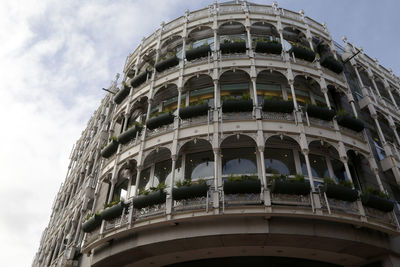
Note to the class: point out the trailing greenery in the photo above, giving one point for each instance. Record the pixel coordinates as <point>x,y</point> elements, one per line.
<point>240,178</point>
<point>245,96</point>
<point>375,191</point>
<point>342,112</point>
<point>301,46</point>
<point>341,182</point>
<point>91,214</point>
<point>113,138</point>
<point>135,123</point>
<point>189,182</point>
<point>283,177</point>
<point>155,114</point>
<point>159,187</point>
<point>107,205</point>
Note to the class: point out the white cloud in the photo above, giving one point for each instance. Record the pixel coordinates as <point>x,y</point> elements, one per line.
<point>55,57</point>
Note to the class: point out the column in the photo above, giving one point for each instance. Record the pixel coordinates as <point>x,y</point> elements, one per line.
<point>310,177</point>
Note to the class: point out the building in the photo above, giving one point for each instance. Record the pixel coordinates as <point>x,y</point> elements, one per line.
<point>277,147</point>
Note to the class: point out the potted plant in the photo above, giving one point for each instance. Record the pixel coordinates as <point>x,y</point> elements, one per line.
<point>281,184</point>
<point>243,184</point>
<point>346,120</point>
<point>122,94</point>
<point>320,112</point>
<point>166,63</point>
<point>129,134</point>
<point>111,148</point>
<point>194,110</point>
<point>112,210</point>
<point>92,222</point>
<point>153,196</point>
<point>159,119</point>
<point>377,199</point>
<point>229,47</point>
<point>342,191</point>
<point>140,78</point>
<point>198,52</point>
<point>243,104</point>
<point>302,52</point>
<point>277,105</point>
<point>271,47</point>
<point>331,63</point>
<point>188,189</point>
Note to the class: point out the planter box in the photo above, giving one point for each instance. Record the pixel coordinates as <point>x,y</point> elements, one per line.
<point>113,212</point>
<point>129,134</point>
<point>332,64</point>
<point>242,187</point>
<point>139,79</point>
<point>187,192</point>
<point>376,202</point>
<point>91,224</point>
<point>193,111</point>
<point>167,63</point>
<point>110,149</point>
<point>160,120</point>
<point>302,53</point>
<point>290,187</point>
<point>268,47</point>
<point>237,105</point>
<point>198,52</point>
<point>122,94</point>
<point>320,112</point>
<point>350,122</point>
<point>153,198</point>
<point>340,192</point>
<point>230,48</point>
<point>278,106</point>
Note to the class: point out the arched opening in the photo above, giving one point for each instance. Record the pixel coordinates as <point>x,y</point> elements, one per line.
<point>360,170</point>
<point>265,38</point>
<point>239,156</point>
<point>374,139</point>
<point>126,173</point>
<point>281,156</point>
<point>383,91</point>
<point>201,36</point>
<point>165,99</point>
<point>156,169</point>
<point>198,160</point>
<point>294,37</point>
<point>395,94</point>
<point>308,91</point>
<point>272,85</point>
<point>171,47</point>
<point>235,84</point>
<point>232,37</point>
<point>324,162</point>
<point>138,111</point>
<point>198,89</point>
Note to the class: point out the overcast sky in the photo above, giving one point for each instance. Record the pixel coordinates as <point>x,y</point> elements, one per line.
<point>56,56</point>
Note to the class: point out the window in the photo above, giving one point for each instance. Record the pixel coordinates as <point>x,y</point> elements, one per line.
<point>199,165</point>
<point>120,190</point>
<point>278,160</point>
<point>144,182</point>
<point>319,169</point>
<point>239,161</point>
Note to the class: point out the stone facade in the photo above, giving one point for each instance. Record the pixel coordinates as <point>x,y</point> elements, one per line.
<point>239,132</point>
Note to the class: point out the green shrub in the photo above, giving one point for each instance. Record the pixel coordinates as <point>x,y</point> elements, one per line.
<point>375,191</point>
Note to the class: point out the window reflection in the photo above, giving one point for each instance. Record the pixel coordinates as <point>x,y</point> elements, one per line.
<point>279,161</point>
<point>162,170</point>
<point>199,165</point>
<point>239,161</point>
<point>319,169</point>
<point>144,182</point>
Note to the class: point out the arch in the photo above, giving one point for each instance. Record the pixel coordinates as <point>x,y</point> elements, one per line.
<point>231,27</point>
<point>271,83</point>
<point>382,90</point>
<point>138,110</point>
<point>293,35</point>
<point>239,155</point>
<point>198,157</point>
<point>171,46</point>
<point>201,32</point>
<point>198,88</point>
<point>156,168</point>
<point>280,154</point>
<point>263,28</point>
<point>308,90</point>
<point>361,172</point>
<point>321,46</point>
<point>165,98</point>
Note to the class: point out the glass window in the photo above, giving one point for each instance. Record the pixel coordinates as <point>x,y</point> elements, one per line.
<point>234,90</point>
<point>120,190</point>
<point>302,96</point>
<point>199,165</point>
<point>279,160</point>
<point>338,169</point>
<point>162,171</point>
<point>144,182</point>
<point>269,90</point>
<point>239,161</point>
<point>205,94</point>
<point>319,169</point>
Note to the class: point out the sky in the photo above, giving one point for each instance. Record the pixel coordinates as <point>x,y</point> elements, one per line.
<point>56,56</point>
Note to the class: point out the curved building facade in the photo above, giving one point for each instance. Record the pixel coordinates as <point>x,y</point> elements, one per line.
<point>240,134</point>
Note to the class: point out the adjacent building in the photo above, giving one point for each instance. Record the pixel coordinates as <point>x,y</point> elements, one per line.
<point>239,134</point>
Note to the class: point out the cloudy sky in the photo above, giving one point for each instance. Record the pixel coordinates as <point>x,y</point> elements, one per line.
<point>56,56</point>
